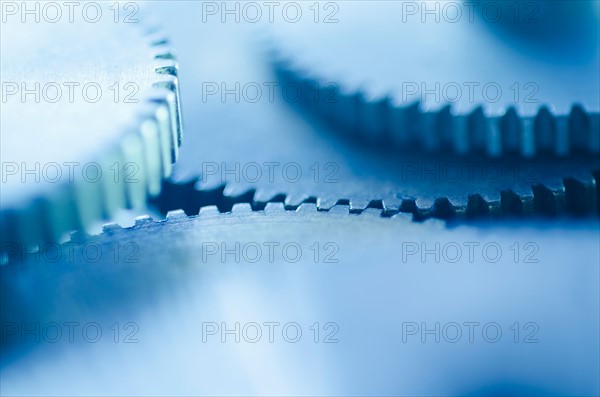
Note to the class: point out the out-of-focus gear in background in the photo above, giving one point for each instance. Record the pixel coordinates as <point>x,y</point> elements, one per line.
<point>491,77</point>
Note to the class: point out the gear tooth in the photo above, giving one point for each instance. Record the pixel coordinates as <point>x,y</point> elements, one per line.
<point>404,121</point>
<point>132,150</point>
<point>477,206</point>
<point>168,67</point>
<point>527,137</point>
<point>241,208</point>
<point>307,208</point>
<point>390,206</point>
<point>494,147</point>
<point>596,174</point>
<point>445,130</point>
<point>176,215</point>
<point>460,140</point>
<point>376,204</point>
<point>510,128</point>
<point>326,203</point>
<point>208,211</point>
<point>234,191</point>
<point>356,205</point>
<point>114,192</point>
<point>579,126</point>
<point>345,113</point>
<point>545,131</point>
<point>143,220</point>
<point>260,205</point>
<point>264,196</point>
<point>235,196</point>
<point>274,208</point>
<point>511,203</point>
<point>477,130</point>
<point>154,153</point>
<point>594,133</point>
<point>374,117</point>
<point>433,126</point>
<point>294,200</point>
<point>579,197</point>
<point>409,205</point>
<point>544,200</point>
<point>159,40</point>
<point>317,102</point>
<point>164,52</point>
<point>167,99</point>
<point>167,80</point>
<point>111,227</point>
<point>443,209</point>
<point>399,132</point>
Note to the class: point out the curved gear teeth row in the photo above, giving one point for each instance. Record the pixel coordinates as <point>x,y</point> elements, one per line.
<point>181,200</point>
<point>213,211</point>
<point>174,217</point>
<point>382,120</point>
<point>574,198</point>
<point>152,143</point>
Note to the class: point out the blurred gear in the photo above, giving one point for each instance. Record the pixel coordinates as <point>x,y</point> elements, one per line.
<point>491,77</point>
<point>91,120</point>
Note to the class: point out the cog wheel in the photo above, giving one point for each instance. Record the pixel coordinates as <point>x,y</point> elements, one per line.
<point>91,120</point>
<point>173,284</point>
<point>265,151</point>
<point>451,76</point>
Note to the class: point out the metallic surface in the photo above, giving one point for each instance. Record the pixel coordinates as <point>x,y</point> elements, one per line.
<point>368,286</point>
<point>100,96</point>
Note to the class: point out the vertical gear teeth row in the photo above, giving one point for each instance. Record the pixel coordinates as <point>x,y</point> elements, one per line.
<point>146,153</point>
<point>575,198</point>
<point>381,120</point>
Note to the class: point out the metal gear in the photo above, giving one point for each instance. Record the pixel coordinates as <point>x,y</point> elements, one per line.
<point>544,284</point>
<point>443,77</point>
<point>91,120</point>
<point>244,141</point>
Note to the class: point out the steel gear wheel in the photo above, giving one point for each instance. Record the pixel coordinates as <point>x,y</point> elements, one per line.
<point>91,120</point>
<point>413,74</point>
<point>546,284</point>
<point>335,169</point>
